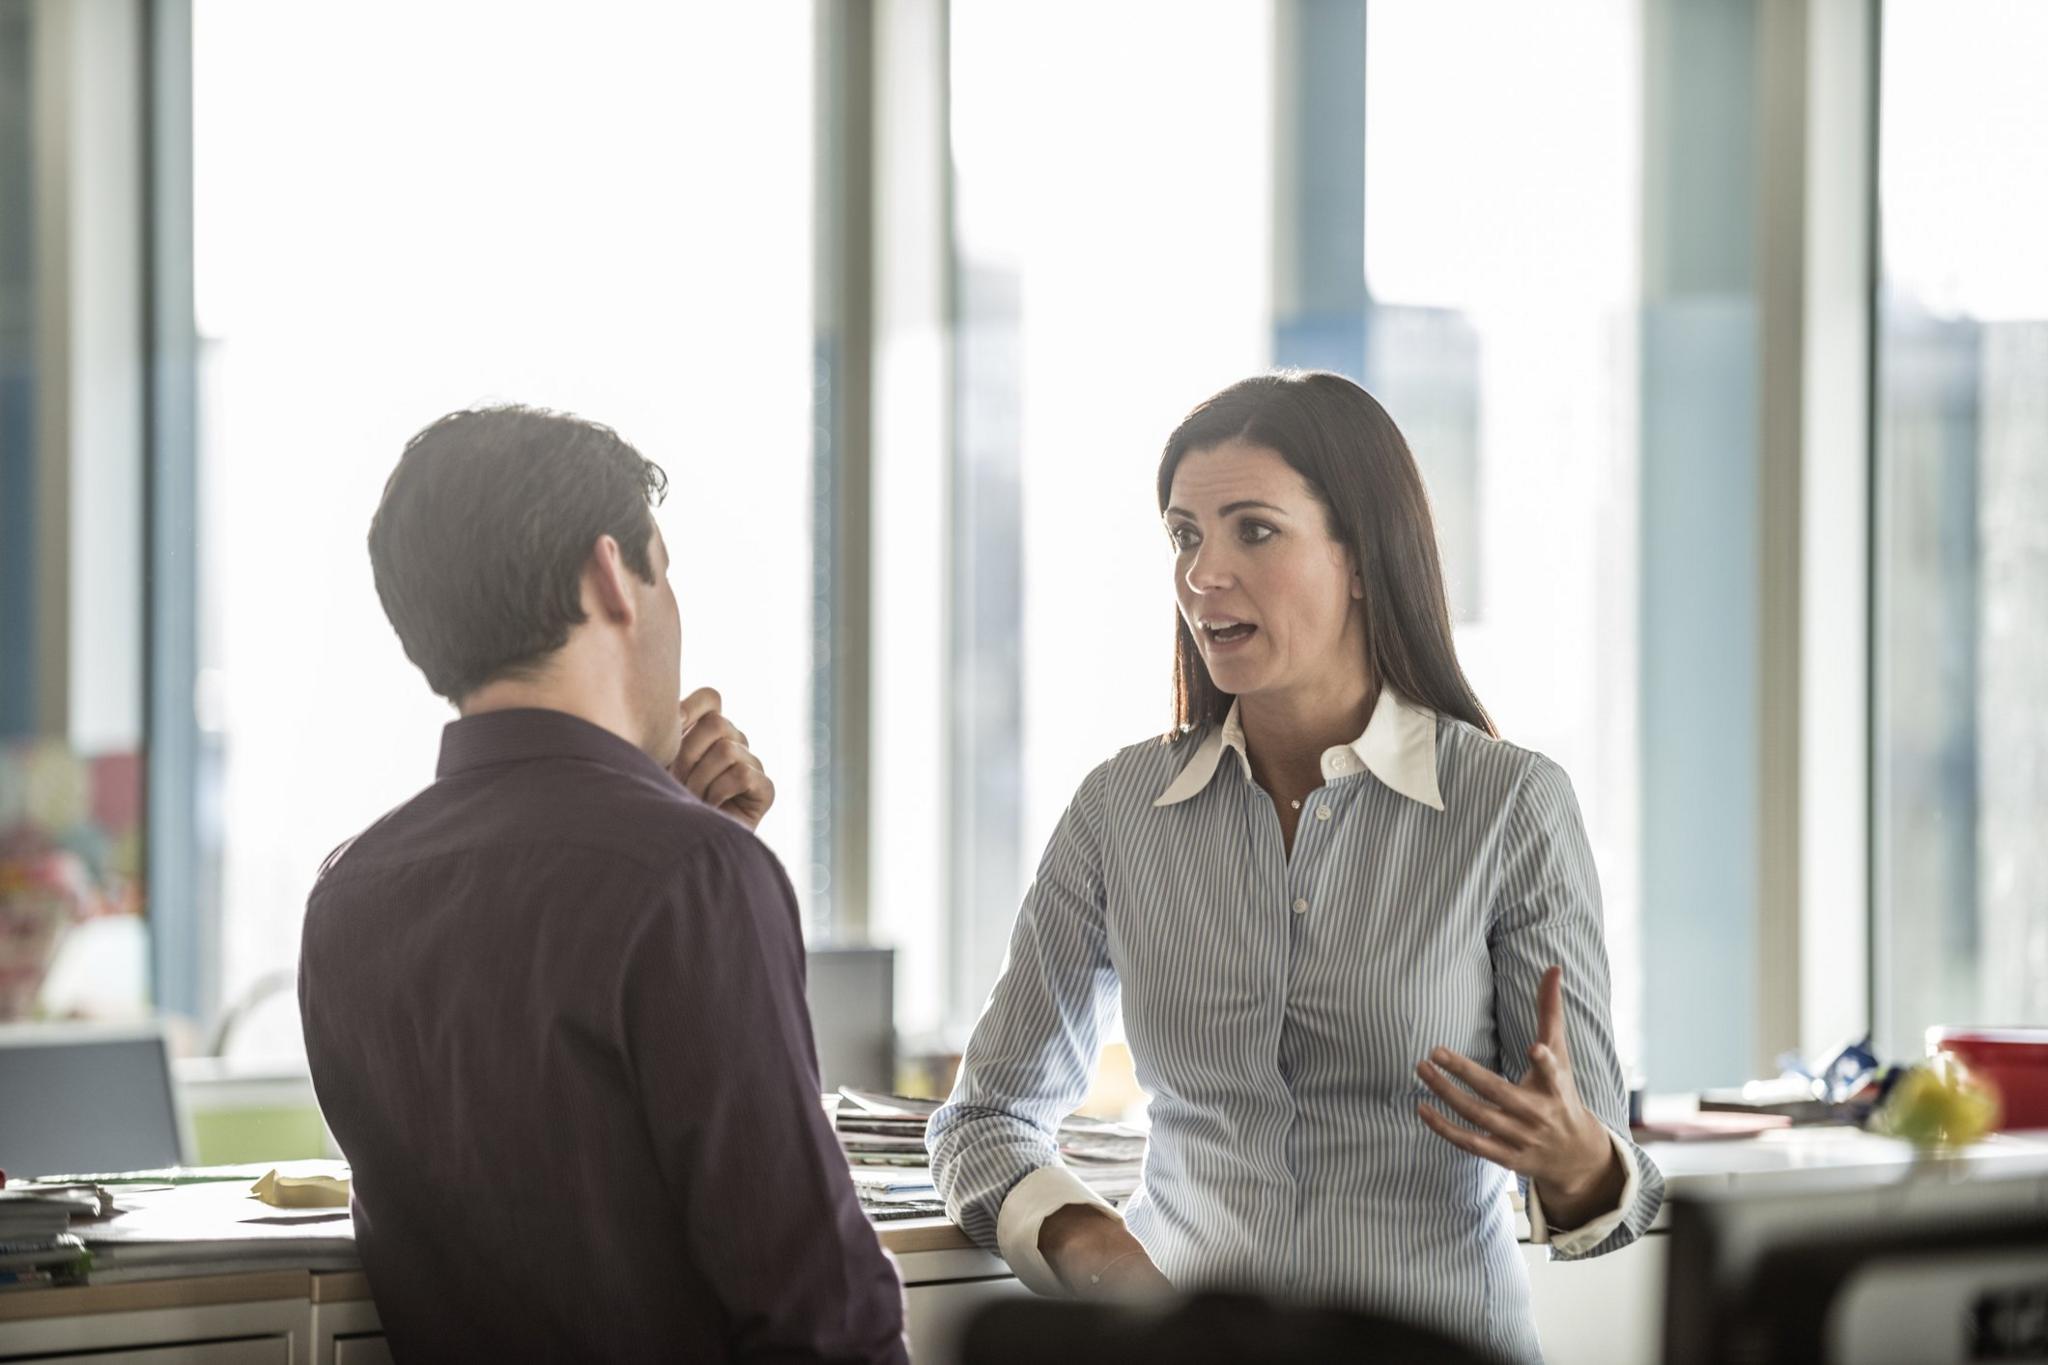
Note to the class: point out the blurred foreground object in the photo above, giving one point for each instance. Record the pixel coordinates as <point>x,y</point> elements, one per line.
<point>1209,1329</point>
<point>2010,1062</point>
<point>1938,1106</point>
<point>1940,1267</point>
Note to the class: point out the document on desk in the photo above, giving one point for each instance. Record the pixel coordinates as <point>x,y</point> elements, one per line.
<point>895,1185</point>
<point>883,1137</point>
<point>206,1228</point>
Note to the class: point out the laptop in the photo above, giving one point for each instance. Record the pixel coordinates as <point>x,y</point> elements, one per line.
<point>87,1099</point>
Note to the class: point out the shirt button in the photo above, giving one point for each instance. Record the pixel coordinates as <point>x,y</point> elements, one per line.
<point>1300,906</point>
<point>1322,812</point>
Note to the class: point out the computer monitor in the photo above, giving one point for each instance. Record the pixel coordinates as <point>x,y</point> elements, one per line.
<point>1938,1267</point>
<point>77,1098</point>
<point>853,1016</point>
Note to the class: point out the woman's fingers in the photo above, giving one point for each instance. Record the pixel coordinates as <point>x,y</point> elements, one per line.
<point>1478,1144</point>
<point>1547,1068</point>
<point>1499,1091</point>
<point>1474,1111</point>
<point>1550,1012</point>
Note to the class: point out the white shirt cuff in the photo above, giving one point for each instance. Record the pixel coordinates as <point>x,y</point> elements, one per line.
<point>1594,1231</point>
<point>1029,1203</point>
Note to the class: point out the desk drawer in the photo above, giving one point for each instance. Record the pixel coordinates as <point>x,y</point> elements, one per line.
<point>245,1351</point>
<point>365,1350</point>
<point>938,1314</point>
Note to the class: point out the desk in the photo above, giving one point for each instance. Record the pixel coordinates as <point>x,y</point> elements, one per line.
<point>1607,1310</point>
<point>291,1317</point>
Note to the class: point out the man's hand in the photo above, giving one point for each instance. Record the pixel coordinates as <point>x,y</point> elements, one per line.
<point>1540,1127</point>
<point>1096,1257</point>
<point>716,764</point>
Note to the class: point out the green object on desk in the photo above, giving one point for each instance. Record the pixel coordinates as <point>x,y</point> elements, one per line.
<point>1937,1106</point>
<point>260,1134</point>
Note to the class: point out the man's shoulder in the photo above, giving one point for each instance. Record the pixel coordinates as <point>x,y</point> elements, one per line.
<point>649,822</point>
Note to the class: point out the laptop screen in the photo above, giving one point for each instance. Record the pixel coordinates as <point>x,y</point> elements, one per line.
<point>82,1100</point>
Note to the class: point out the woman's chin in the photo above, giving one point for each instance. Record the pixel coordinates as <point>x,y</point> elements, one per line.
<point>1233,677</point>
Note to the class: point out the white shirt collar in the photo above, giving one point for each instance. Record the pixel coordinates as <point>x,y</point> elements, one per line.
<point>1398,747</point>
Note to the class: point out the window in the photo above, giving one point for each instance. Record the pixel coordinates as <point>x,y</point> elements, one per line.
<point>1501,227</point>
<point>71,517</point>
<point>1222,188</point>
<point>1112,270</point>
<point>400,210</point>
<point>1961,645</point>
<point>1545,263</point>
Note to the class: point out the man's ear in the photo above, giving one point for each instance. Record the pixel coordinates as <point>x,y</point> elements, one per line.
<point>604,581</point>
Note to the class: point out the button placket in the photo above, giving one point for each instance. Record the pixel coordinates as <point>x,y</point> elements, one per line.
<point>1311,851</point>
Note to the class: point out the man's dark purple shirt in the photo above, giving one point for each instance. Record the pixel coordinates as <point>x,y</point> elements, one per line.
<point>555,1014</point>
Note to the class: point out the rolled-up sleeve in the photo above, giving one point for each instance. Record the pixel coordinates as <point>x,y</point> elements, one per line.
<point>1032,1054</point>
<point>1547,912</point>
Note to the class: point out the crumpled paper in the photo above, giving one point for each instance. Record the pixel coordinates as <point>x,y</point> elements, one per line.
<point>301,1191</point>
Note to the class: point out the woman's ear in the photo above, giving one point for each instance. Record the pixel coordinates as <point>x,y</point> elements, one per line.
<point>1357,587</point>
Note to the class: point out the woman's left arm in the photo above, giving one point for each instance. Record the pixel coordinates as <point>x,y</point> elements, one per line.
<point>1559,1118</point>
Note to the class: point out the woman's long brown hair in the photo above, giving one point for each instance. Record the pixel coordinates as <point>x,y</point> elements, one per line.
<point>1353,458</point>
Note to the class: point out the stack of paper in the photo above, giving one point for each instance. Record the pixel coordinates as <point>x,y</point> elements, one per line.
<point>1108,1157</point>
<point>207,1227</point>
<point>37,1248</point>
<point>884,1140</point>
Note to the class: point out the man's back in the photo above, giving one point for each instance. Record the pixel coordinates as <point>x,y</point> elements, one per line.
<point>554,1012</point>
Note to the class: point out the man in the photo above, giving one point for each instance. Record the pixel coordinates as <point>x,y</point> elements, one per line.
<point>554,1004</point>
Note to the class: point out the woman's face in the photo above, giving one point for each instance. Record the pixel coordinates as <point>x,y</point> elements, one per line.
<point>1270,598</point>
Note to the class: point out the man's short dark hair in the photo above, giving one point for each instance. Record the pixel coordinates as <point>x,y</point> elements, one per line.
<point>479,543</point>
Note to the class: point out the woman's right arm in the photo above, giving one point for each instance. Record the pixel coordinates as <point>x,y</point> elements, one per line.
<point>995,1154</point>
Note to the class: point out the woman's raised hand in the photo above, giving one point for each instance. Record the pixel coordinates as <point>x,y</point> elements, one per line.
<point>1538,1127</point>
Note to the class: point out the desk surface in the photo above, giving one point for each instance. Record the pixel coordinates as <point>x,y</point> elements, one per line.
<point>1804,1156</point>
<point>908,1238</point>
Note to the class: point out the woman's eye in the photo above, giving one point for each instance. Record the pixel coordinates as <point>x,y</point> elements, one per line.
<point>1183,537</point>
<point>1255,532</point>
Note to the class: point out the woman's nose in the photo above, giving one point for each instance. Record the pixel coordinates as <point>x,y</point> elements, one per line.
<point>1209,570</point>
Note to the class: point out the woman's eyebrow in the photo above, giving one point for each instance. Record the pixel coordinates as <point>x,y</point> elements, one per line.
<point>1229,509</point>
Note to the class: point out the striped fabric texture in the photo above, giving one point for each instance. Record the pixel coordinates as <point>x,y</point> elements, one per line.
<point>1276,1007</point>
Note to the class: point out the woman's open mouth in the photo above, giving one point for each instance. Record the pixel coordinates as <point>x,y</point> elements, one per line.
<point>1224,636</point>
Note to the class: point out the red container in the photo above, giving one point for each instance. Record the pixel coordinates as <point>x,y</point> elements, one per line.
<point>2012,1060</point>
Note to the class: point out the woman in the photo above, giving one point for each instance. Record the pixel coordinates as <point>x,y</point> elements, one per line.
<point>1355,936</point>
